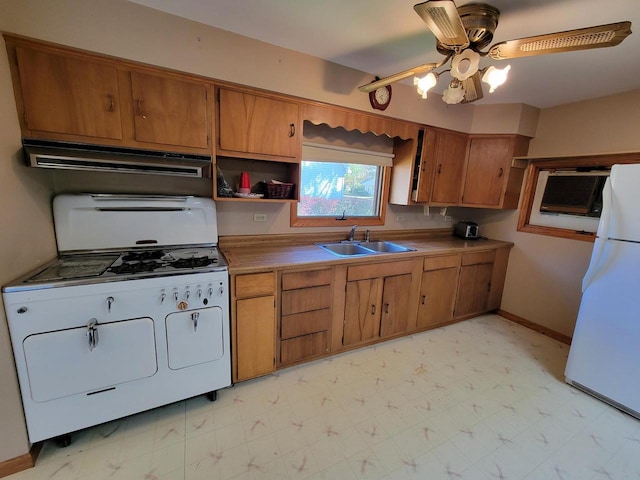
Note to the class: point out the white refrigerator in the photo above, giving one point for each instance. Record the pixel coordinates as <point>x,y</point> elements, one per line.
<point>604,359</point>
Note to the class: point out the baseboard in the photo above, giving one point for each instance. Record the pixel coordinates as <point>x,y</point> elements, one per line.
<point>535,327</point>
<point>23,462</point>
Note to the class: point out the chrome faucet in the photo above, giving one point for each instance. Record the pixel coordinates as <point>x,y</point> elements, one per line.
<point>352,233</point>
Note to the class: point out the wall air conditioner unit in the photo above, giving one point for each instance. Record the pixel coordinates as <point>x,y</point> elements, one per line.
<point>574,192</point>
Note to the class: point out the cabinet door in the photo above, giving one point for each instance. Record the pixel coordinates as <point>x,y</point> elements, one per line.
<point>255,336</point>
<point>252,124</point>
<point>362,312</point>
<point>437,296</point>
<point>473,289</point>
<point>395,305</point>
<point>449,162</point>
<point>487,170</point>
<point>68,95</point>
<point>169,111</point>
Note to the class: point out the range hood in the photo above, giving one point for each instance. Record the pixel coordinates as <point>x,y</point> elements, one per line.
<point>74,156</point>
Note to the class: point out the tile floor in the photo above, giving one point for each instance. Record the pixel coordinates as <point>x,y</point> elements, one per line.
<point>482,399</point>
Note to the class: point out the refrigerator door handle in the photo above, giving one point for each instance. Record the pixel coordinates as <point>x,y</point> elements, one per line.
<point>602,236</point>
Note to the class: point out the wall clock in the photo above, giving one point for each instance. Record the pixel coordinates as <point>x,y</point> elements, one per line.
<point>381,97</point>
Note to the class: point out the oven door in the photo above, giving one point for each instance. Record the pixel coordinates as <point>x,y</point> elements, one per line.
<point>194,337</point>
<point>89,359</point>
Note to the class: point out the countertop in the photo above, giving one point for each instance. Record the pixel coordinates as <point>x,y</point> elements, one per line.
<point>247,257</point>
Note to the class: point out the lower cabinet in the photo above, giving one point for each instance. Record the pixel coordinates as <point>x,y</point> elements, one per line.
<point>437,290</point>
<point>305,321</point>
<point>474,285</point>
<point>286,317</point>
<point>254,325</point>
<point>378,301</point>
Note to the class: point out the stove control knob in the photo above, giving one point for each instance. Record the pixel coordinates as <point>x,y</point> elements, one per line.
<point>162,297</point>
<point>210,290</point>
<point>220,291</point>
<point>175,296</point>
<point>187,294</point>
<point>199,293</point>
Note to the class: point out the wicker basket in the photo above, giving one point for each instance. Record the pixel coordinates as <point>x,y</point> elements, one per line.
<point>279,190</point>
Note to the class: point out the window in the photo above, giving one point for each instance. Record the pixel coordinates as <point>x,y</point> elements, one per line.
<point>561,195</point>
<point>339,183</point>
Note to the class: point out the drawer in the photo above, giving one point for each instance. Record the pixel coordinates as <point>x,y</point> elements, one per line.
<point>374,270</point>
<point>305,323</point>
<point>438,263</point>
<point>255,284</point>
<point>477,258</point>
<point>305,346</point>
<point>305,299</point>
<point>312,278</point>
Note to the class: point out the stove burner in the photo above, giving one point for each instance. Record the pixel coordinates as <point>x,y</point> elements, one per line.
<point>193,262</point>
<point>143,255</point>
<point>136,267</point>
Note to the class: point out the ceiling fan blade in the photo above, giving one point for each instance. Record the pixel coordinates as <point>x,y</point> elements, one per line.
<point>383,82</point>
<point>442,18</point>
<point>571,40</point>
<point>472,88</point>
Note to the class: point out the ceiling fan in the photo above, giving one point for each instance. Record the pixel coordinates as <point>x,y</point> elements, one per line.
<point>463,32</point>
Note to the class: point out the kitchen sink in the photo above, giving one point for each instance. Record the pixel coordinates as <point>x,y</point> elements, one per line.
<point>350,249</point>
<point>345,249</point>
<point>386,247</point>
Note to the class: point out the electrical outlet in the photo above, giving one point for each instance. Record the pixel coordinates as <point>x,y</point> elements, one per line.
<point>447,218</point>
<point>259,217</point>
<point>399,218</point>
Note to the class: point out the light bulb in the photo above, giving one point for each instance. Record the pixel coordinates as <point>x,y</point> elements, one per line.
<point>425,83</point>
<point>495,77</point>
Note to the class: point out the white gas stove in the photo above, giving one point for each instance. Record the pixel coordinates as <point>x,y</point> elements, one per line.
<point>133,314</point>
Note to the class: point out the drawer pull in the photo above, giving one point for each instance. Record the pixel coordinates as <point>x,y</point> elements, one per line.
<point>373,309</point>
<point>424,299</point>
<point>194,317</point>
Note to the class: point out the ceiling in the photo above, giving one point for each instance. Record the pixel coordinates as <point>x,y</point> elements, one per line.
<point>382,37</point>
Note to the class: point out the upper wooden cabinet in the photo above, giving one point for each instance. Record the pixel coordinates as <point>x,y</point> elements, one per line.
<point>451,168</point>
<point>169,110</point>
<point>67,94</point>
<point>254,126</point>
<point>491,181</point>
<point>61,94</point>
<point>445,155</point>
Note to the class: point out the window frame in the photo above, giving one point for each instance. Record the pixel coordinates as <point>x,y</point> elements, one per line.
<point>296,221</point>
<point>536,165</point>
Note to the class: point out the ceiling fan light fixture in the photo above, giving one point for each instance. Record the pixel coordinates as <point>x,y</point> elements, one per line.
<point>426,83</point>
<point>465,64</point>
<point>495,77</point>
<point>454,94</point>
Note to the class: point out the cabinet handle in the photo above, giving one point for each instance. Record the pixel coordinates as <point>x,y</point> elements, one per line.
<point>292,130</point>
<point>139,108</point>
<point>110,98</point>
<point>194,318</point>
<point>373,309</point>
<point>489,287</point>
<point>386,308</point>
<point>439,168</point>
<point>424,299</point>
<point>501,172</point>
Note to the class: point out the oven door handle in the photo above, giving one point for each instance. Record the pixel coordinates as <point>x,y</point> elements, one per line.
<point>92,333</point>
<point>194,318</point>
